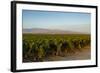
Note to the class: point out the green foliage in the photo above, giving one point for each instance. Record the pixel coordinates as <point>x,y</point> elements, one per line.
<point>36,47</point>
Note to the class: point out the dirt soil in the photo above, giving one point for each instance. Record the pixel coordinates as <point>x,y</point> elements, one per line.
<point>84,54</point>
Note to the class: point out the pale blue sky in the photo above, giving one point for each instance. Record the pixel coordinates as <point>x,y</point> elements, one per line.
<point>71,21</point>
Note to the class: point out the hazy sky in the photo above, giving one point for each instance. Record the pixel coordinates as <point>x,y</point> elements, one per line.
<point>71,21</point>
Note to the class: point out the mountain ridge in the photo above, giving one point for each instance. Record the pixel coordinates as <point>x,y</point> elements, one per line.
<point>48,31</point>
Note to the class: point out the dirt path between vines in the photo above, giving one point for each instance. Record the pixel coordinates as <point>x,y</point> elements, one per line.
<point>84,54</point>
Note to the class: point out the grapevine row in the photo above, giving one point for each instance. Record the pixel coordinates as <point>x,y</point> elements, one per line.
<point>38,50</point>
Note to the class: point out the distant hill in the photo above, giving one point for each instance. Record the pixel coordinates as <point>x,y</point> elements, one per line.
<point>48,31</point>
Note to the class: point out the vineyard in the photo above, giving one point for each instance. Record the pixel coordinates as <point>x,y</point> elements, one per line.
<point>38,47</point>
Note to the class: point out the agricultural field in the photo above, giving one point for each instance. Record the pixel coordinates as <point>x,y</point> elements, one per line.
<point>55,47</point>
